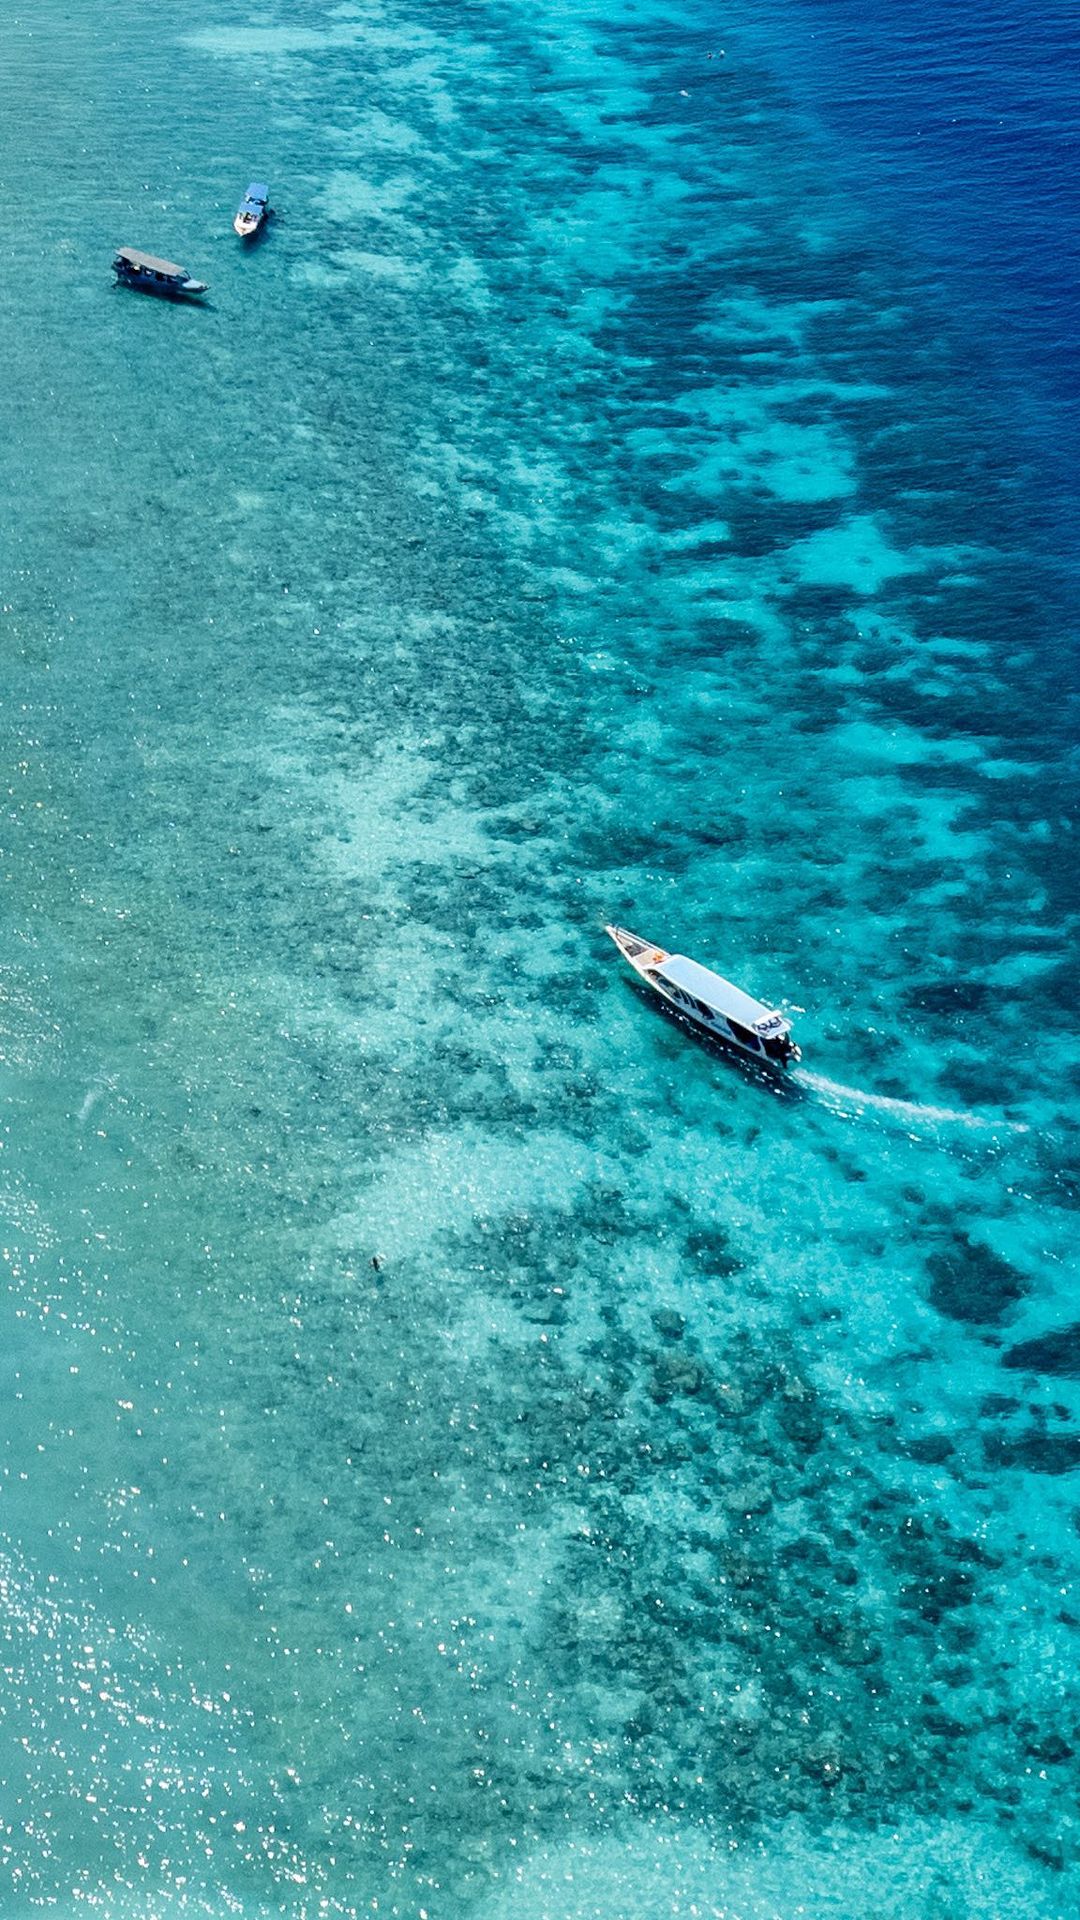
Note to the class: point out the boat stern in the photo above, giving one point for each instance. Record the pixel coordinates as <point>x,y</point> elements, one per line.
<point>774,1033</point>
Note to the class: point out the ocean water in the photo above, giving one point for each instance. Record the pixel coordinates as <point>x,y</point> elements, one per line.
<point>470,1450</point>
<point>960,136</point>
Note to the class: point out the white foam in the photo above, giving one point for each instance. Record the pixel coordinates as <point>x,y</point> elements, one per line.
<point>856,1100</point>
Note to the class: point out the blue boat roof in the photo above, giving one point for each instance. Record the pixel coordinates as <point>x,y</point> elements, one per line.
<point>257,191</point>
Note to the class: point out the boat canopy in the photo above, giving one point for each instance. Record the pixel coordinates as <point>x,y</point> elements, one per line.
<point>150,261</point>
<point>720,995</point>
<point>258,191</point>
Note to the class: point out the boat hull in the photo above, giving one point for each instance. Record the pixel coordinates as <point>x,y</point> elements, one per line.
<point>162,289</point>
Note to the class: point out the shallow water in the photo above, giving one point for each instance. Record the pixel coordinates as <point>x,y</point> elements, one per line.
<point>473,1449</point>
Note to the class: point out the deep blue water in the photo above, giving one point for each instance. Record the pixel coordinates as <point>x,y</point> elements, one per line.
<point>959,127</point>
<point>470,1451</point>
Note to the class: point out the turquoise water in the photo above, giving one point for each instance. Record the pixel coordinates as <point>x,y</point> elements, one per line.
<point>576,508</point>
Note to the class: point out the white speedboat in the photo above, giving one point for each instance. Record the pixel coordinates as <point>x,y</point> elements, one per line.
<point>710,1003</point>
<point>252,211</point>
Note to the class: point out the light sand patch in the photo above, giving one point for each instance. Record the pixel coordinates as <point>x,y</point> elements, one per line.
<point>352,196</point>
<point>666,191</point>
<point>706,533</point>
<point>470,282</point>
<point>901,746</point>
<point>244,43</point>
<point>378,129</point>
<point>390,267</point>
<point>425,76</point>
<point>565,580</point>
<point>313,273</point>
<point>600,232</point>
<point>853,554</point>
<point>748,318</point>
<point>935,820</point>
<point>1001,769</point>
<point>742,406</point>
<point>919,1871</point>
<point>793,463</point>
<point>450,1179</point>
<point>752,611</point>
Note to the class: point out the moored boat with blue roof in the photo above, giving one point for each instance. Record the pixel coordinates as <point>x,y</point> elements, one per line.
<point>252,210</point>
<point>709,1002</point>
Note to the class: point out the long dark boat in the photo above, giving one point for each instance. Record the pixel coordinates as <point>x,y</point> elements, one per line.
<point>151,275</point>
<point>711,1004</point>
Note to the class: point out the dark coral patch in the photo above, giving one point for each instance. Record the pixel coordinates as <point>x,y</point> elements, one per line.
<point>710,1248</point>
<point>1035,1450</point>
<point>970,1282</point>
<point>1057,1353</point>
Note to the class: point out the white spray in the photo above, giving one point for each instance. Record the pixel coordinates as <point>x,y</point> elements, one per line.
<point>855,1100</point>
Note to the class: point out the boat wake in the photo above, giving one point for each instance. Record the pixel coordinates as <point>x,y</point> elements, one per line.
<point>100,1085</point>
<point>852,1101</point>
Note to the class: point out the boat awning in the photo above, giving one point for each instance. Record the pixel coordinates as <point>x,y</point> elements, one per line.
<point>149,260</point>
<point>257,191</point>
<point>716,992</point>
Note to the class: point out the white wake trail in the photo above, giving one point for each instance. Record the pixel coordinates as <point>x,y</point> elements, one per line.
<point>100,1085</point>
<point>855,1100</point>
